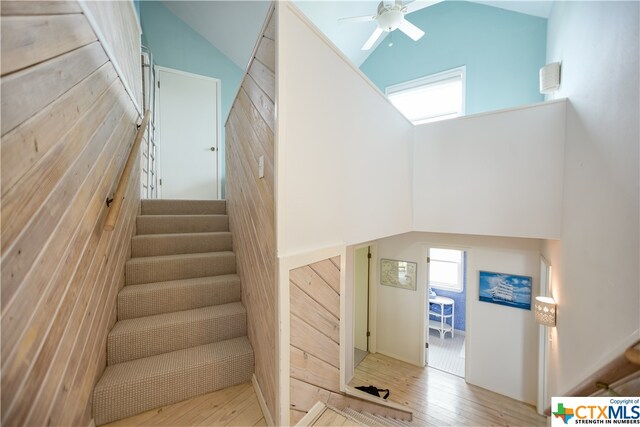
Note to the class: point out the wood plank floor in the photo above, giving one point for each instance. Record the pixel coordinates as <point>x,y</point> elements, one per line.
<point>441,399</point>
<point>233,406</point>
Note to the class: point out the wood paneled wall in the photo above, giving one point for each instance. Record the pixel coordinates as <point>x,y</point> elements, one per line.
<point>67,126</point>
<point>250,204</point>
<point>315,344</point>
<point>118,23</point>
<point>315,335</point>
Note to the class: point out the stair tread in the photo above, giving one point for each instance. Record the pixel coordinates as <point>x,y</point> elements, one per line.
<point>136,371</point>
<point>156,258</point>
<point>148,299</point>
<point>146,323</point>
<point>179,235</point>
<point>181,215</point>
<point>169,284</point>
<point>183,206</point>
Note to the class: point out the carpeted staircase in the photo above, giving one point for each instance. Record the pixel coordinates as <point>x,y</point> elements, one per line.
<point>181,328</point>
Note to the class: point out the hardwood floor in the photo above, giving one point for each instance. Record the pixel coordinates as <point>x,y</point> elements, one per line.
<point>233,406</point>
<point>438,399</point>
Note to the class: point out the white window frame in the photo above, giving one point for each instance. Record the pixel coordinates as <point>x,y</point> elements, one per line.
<point>431,80</point>
<point>459,287</point>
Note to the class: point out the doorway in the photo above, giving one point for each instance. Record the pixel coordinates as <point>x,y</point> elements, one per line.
<point>446,309</point>
<point>189,131</point>
<point>362,298</point>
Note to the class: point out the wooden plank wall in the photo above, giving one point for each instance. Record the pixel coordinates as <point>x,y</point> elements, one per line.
<point>118,23</point>
<point>315,344</point>
<point>250,204</point>
<point>315,335</point>
<point>67,126</point>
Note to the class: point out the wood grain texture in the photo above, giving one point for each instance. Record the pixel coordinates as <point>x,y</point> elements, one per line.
<point>315,343</point>
<point>28,40</point>
<point>315,356</point>
<point>237,406</point>
<point>71,125</point>
<point>49,80</point>
<point>251,209</point>
<point>266,53</point>
<point>118,23</point>
<point>23,147</point>
<point>52,7</point>
<point>264,77</point>
<point>438,398</point>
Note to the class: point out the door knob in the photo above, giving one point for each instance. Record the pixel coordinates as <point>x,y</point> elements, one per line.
<point>213,148</point>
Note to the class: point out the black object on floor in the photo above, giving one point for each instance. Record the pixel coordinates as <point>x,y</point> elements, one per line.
<point>374,390</point>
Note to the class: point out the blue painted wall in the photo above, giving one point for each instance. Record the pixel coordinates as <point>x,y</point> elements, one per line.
<point>175,45</point>
<point>503,52</point>
<point>459,302</point>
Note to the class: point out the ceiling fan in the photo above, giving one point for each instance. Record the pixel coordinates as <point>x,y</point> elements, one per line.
<point>391,16</point>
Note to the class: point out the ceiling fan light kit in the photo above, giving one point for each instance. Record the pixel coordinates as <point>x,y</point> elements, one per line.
<point>390,17</point>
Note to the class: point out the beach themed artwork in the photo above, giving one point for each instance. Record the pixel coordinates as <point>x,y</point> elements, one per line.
<point>399,274</point>
<point>505,289</point>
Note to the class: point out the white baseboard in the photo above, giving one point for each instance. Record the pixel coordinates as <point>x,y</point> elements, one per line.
<point>263,403</point>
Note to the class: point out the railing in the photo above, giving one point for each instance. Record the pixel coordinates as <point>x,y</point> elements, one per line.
<point>115,204</point>
<point>605,379</point>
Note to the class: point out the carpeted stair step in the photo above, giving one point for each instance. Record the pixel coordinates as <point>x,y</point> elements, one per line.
<point>175,267</point>
<point>148,299</point>
<point>180,243</point>
<point>169,224</point>
<point>148,336</point>
<point>130,388</point>
<point>183,207</point>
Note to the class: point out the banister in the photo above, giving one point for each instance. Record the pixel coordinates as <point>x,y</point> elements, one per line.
<point>118,198</point>
<point>617,370</point>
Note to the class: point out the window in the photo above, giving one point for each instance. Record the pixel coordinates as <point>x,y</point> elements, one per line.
<point>446,269</point>
<point>431,98</point>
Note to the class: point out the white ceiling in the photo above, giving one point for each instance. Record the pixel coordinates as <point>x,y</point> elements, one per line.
<point>233,26</point>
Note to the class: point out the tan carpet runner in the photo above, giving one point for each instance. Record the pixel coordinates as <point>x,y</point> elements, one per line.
<point>181,328</point>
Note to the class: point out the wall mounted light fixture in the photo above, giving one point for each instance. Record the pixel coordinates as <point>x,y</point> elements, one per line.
<point>545,311</point>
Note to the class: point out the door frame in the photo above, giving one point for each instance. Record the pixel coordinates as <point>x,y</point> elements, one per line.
<point>349,315</point>
<point>467,306</point>
<point>218,83</point>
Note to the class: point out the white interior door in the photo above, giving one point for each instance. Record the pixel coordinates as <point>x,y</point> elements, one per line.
<point>189,123</point>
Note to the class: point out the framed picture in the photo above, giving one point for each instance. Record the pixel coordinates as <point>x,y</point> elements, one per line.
<point>505,289</point>
<point>399,274</point>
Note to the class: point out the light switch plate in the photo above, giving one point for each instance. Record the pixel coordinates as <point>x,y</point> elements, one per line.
<point>261,167</point>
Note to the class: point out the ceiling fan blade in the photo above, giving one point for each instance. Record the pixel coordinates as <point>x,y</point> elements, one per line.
<point>411,30</point>
<point>373,39</point>
<point>419,4</point>
<point>366,18</point>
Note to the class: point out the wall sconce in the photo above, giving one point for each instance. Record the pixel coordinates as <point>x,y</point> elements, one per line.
<point>545,311</point>
<point>550,78</point>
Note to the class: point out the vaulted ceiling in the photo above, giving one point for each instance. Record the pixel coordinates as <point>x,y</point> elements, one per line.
<point>233,26</point>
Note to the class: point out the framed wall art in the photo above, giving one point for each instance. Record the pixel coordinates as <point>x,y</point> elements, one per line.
<point>505,289</point>
<point>398,274</point>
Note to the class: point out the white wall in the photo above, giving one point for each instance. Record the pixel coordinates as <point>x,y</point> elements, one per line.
<point>343,151</point>
<point>493,174</point>
<point>501,341</point>
<point>595,266</point>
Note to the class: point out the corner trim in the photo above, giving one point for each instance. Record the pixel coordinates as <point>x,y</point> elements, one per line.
<point>263,404</point>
